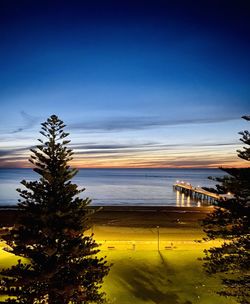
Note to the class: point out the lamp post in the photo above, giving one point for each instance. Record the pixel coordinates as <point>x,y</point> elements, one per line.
<point>158,237</point>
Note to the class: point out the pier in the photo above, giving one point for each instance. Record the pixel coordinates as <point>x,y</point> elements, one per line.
<point>197,193</point>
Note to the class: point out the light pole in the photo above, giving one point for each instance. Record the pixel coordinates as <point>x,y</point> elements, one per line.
<point>158,237</point>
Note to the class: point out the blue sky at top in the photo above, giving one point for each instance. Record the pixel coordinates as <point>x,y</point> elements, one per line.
<point>139,83</point>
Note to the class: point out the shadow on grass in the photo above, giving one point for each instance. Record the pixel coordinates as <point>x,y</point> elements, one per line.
<point>151,282</point>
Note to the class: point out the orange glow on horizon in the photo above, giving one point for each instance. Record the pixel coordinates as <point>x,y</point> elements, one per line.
<point>190,158</point>
<point>124,165</point>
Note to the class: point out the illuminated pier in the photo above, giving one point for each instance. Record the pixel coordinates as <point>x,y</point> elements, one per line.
<point>197,193</point>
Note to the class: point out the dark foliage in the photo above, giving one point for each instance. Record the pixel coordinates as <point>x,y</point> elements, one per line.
<point>230,222</point>
<point>61,265</point>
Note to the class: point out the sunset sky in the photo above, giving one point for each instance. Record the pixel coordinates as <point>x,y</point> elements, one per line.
<point>138,83</point>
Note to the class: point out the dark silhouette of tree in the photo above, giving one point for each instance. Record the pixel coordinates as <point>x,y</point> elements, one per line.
<point>230,221</point>
<point>62,264</point>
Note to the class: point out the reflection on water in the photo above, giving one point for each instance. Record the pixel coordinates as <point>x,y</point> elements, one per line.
<point>177,198</point>
<point>182,200</point>
<point>185,201</point>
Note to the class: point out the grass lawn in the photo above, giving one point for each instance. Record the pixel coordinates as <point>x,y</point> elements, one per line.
<point>168,277</point>
<point>6,261</point>
<point>141,274</point>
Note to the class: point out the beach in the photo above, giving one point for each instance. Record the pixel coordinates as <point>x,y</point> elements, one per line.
<point>131,216</point>
<point>149,217</point>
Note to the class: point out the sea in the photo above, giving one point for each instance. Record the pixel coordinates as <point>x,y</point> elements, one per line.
<point>123,187</point>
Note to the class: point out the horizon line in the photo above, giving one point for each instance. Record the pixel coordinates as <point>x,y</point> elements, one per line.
<point>104,168</point>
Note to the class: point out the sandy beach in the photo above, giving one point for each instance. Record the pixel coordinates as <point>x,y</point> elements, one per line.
<point>150,216</point>
<point>132,216</point>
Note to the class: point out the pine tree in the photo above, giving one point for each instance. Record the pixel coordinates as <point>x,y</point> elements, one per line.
<point>230,222</point>
<point>62,264</point>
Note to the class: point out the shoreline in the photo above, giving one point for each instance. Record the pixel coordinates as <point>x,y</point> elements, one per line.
<point>133,208</point>
<point>150,216</point>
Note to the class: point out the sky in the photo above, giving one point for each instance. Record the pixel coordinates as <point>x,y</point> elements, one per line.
<point>138,83</point>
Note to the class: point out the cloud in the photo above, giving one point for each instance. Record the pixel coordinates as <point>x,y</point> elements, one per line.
<point>17,157</point>
<point>137,123</point>
<point>147,146</point>
<point>112,149</point>
<point>96,146</point>
<point>189,163</point>
<point>146,153</point>
<point>121,149</point>
<point>8,152</point>
<point>14,162</point>
<point>29,122</point>
<point>106,147</point>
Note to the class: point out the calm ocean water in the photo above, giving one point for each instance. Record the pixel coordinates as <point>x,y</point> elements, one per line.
<point>152,187</point>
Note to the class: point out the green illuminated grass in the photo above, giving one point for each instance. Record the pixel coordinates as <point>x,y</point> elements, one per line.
<point>6,261</point>
<point>142,275</point>
<point>171,277</point>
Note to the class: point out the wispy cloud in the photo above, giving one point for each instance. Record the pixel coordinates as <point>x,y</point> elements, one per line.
<point>148,154</point>
<point>147,146</point>
<point>178,163</point>
<point>137,123</point>
<point>14,157</point>
<point>97,146</point>
<point>14,162</point>
<point>15,151</point>
<point>28,122</point>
